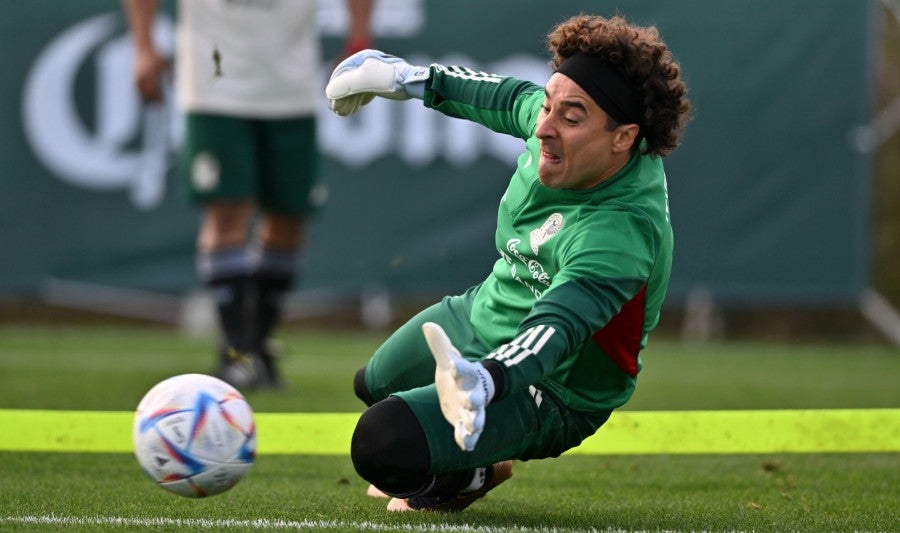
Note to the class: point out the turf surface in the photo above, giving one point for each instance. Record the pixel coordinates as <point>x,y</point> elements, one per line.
<point>808,492</point>
<point>109,369</point>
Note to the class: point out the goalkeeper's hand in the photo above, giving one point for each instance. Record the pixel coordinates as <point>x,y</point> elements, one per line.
<point>464,387</point>
<point>370,73</point>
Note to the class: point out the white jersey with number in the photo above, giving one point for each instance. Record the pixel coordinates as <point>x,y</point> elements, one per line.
<point>248,58</point>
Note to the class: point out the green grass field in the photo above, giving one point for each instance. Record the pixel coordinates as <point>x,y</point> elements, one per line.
<point>109,369</point>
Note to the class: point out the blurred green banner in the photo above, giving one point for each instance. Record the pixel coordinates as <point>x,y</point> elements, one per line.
<point>769,195</point>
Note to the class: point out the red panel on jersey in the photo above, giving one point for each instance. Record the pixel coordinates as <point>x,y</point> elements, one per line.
<point>620,338</point>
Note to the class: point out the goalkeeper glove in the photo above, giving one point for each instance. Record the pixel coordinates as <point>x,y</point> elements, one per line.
<point>370,73</point>
<point>464,387</point>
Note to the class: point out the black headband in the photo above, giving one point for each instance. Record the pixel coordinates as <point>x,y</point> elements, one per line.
<point>607,86</point>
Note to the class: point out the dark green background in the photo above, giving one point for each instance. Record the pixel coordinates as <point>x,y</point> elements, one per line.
<point>769,200</point>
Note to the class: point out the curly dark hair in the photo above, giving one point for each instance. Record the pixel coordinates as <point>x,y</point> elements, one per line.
<point>642,56</point>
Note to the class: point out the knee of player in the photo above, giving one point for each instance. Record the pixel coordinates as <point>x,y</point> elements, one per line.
<point>388,443</point>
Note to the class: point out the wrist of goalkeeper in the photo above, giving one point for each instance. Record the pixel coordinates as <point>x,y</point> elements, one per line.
<point>416,88</point>
<point>495,374</point>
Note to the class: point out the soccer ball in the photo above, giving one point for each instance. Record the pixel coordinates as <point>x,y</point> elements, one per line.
<point>194,435</point>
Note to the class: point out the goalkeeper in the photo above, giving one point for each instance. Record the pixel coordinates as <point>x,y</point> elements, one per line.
<point>534,359</point>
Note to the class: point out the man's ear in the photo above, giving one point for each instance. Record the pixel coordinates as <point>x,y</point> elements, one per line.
<point>625,137</point>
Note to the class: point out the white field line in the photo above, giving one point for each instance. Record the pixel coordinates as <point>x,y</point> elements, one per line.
<point>267,524</point>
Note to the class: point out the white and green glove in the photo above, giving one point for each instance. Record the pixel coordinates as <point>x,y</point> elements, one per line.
<point>464,387</point>
<point>370,73</point>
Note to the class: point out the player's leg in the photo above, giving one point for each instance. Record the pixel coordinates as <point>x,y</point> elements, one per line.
<point>394,448</point>
<point>390,450</point>
<point>404,360</point>
<point>525,425</point>
<point>224,265</point>
<point>290,192</point>
<point>274,275</point>
<point>218,165</point>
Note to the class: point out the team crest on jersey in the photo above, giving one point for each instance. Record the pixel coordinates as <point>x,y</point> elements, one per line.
<point>544,233</point>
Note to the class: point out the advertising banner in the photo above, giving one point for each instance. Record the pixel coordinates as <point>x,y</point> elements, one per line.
<point>769,197</point>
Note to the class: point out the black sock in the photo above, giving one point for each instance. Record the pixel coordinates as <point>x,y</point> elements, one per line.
<point>226,273</point>
<point>273,278</point>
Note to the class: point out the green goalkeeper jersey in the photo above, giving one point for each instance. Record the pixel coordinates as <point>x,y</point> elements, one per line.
<point>582,274</point>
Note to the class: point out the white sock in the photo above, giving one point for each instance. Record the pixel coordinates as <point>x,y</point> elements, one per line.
<point>478,480</point>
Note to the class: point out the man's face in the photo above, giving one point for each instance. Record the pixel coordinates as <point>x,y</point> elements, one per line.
<point>577,151</point>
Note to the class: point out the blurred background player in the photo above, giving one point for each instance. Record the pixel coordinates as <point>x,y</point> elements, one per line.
<point>534,359</point>
<point>246,77</point>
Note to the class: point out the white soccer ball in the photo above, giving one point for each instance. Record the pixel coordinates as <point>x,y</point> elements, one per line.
<point>194,435</point>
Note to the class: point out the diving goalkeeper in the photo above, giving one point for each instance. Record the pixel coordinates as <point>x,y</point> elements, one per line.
<point>533,360</point>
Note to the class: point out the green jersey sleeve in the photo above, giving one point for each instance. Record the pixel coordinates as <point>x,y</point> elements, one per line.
<point>501,103</point>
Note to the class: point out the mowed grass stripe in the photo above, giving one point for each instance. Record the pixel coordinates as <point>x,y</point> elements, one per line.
<point>261,524</point>
<point>627,432</point>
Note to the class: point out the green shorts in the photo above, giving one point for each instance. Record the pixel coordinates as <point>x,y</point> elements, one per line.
<point>530,424</point>
<point>273,162</point>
